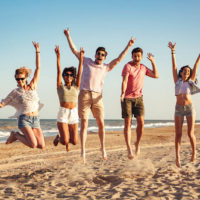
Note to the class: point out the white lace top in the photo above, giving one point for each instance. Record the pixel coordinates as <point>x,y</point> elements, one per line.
<point>187,87</point>
<point>24,101</point>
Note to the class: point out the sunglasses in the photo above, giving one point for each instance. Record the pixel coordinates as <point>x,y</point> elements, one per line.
<point>66,74</point>
<point>19,79</point>
<point>100,54</point>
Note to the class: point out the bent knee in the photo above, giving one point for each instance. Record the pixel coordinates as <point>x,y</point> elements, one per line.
<point>33,145</point>
<point>64,142</point>
<point>41,146</point>
<point>74,142</point>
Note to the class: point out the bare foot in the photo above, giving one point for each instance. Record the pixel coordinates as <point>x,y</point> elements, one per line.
<point>83,156</point>
<point>11,138</point>
<point>130,156</point>
<point>193,158</point>
<point>178,164</point>
<point>104,154</point>
<point>56,140</point>
<point>137,150</point>
<point>67,148</point>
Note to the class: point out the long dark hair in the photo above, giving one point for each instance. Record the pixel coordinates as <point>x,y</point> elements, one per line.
<point>73,71</point>
<point>182,68</point>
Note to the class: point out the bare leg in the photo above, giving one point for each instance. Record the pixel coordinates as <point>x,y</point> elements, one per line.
<point>178,129</point>
<point>73,132</point>
<point>39,137</point>
<point>190,123</point>
<point>64,134</point>
<point>11,138</point>
<point>100,123</point>
<point>127,136</point>
<point>28,138</point>
<point>139,131</point>
<point>83,134</point>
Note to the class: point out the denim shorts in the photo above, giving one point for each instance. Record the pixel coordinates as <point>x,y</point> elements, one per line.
<point>186,110</point>
<point>132,106</point>
<point>28,121</point>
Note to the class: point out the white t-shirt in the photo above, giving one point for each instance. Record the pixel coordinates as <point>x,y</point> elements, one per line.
<point>93,75</point>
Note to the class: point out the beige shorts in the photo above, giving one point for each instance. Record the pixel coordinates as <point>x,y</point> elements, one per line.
<point>90,100</point>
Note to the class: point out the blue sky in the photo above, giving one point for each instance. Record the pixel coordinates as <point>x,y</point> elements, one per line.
<point>109,23</point>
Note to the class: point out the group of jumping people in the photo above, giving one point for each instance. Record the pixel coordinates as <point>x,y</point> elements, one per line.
<point>84,90</point>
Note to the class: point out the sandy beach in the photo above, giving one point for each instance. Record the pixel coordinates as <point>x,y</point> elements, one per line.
<point>53,173</point>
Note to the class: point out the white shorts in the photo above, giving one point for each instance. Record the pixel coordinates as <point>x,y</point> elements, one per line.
<point>68,116</point>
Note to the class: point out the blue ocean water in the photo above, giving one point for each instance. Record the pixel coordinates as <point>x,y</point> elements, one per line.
<point>49,126</point>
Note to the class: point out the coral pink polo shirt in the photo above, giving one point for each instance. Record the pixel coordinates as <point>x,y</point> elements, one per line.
<point>135,79</point>
<point>92,78</point>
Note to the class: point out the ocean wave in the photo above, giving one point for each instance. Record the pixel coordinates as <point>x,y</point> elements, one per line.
<point>51,131</point>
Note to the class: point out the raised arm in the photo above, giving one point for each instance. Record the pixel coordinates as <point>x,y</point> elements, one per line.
<point>154,72</point>
<point>124,86</point>
<point>174,67</point>
<point>34,81</point>
<point>71,44</point>
<point>194,71</point>
<point>114,62</point>
<point>59,76</point>
<point>80,68</point>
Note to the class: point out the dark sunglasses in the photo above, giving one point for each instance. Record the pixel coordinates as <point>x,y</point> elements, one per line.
<point>100,54</point>
<point>19,79</point>
<point>66,74</point>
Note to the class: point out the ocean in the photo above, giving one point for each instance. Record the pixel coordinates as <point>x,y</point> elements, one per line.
<point>49,126</point>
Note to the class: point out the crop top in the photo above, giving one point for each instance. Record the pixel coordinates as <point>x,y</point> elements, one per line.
<point>66,94</point>
<point>24,101</point>
<point>187,87</point>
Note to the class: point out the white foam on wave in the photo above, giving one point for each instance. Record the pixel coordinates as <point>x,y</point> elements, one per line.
<point>54,131</point>
<point>4,134</point>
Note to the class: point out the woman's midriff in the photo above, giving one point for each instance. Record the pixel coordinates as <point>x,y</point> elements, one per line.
<point>183,99</point>
<point>68,105</point>
<point>32,113</point>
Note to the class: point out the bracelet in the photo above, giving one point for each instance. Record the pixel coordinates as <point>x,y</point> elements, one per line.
<point>37,51</point>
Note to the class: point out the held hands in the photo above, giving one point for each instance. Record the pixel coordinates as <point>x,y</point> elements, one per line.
<point>57,51</point>
<point>150,56</point>
<point>172,46</point>
<point>66,32</point>
<point>37,47</point>
<point>131,42</point>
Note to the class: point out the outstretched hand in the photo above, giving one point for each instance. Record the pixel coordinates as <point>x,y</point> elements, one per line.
<point>66,32</point>
<point>150,56</point>
<point>172,46</point>
<point>131,42</point>
<point>82,52</point>
<point>36,45</point>
<point>57,50</point>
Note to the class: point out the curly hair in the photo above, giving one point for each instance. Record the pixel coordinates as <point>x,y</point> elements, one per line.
<point>181,70</point>
<point>23,70</point>
<point>72,70</point>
